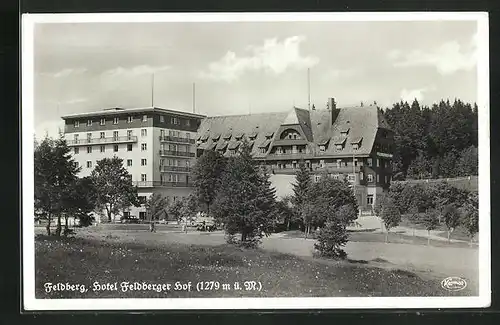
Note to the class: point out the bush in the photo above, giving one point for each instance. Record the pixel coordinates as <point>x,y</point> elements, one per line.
<point>333,236</point>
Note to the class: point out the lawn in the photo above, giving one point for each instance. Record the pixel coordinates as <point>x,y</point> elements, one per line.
<point>394,237</point>
<point>88,260</point>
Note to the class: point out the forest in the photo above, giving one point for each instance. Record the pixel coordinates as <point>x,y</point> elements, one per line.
<point>440,141</point>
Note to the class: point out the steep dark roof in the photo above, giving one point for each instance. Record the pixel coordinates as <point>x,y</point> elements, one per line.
<point>361,122</point>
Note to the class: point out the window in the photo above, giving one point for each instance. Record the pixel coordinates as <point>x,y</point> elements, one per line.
<point>162,133</point>
<point>378,178</point>
<point>162,162</point>
<point>103,148</point>
<point>76,137</point>
<point>115,120</point>
<point>129,134</point>
<point>316,178</point>
<point>175,120</point>
<point>89,137</point>
<point>188,122</point>
<point>144,118</point>
<point>361,176</point>
<point>143,178</point>
<point>89,164</point>
<point>130,119</point>
<point>188,135</point>
<point>345,163</point>
<point>77,124</point>
<point>294,149</point>
<point>294,165</point>
<point>102,135</point>
<point>377,163</point>
<point>386,179</point>
<point>339,163</point>
<point>129,147</point>
<point>263,150</point>
<point>143,162</point>
<point>144,132</point>
<point>279,150</point>
<point>162,118</point>
<point>129,162</point>
<point>369,199</point>
<point>115,148</point>
<point>369,178</point>
<point>355,162</point>
<point>89,149</point>
<point>89,122</point>
<point>144,147</point>
<point>77,150</point>
<point>321,148</point>
<point>321,163</point>
<point>369,162</point>
<point>115,135</point>
<point>339,146</point>
<point>351,177</point>
<point>103,121</point>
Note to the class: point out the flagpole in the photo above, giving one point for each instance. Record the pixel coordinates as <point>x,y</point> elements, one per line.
<point>152,89</point>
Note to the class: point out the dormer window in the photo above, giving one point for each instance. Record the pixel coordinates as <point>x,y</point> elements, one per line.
<point>269,135</point>
<point>227,136</point>
<point>339,143</point>
<point>252,135</point>
<point>356,143</point>
<point>322,148</point>
<point>130,119</point>
<point>77,124</point>
<point>263,150</point>
<point>89,122</point>
<point>344,132</point>
<point>279,150</point>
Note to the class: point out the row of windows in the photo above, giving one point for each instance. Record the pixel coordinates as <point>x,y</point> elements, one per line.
<point>130,119</point>
<point>352,177</point>
<point>175,162</point>
<point>144,162</point>
<point>343,163</point>
<point>102,134</point>
<point>102,148</point>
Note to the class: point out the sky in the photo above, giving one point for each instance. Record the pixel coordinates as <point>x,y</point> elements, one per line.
<point>248,67</point>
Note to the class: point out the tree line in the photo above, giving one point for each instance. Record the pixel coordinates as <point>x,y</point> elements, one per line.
<point>431,206</point>
<point>433,142</point>
<point>60,194</point>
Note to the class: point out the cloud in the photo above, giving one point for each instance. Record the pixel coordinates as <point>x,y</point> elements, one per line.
<point>273,56</point>
<point>342,73</point>
<point>448,58</point>
<point>412,94</point>
<point>50,128</point>
<point>66,72</point>
<point>76,101</point>
<point>135,71</point>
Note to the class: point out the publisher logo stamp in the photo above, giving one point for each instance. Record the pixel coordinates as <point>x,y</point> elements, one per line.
<point>454,283</point>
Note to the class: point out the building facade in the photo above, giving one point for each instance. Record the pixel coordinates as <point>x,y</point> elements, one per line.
<point>353,143</point>
<point>157,147</point>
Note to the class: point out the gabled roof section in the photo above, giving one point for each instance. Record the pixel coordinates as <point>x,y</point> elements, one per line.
<point>234,144</point>
<point>356,140</point>
<point>339,140</point>
<point>221,145</point>
<point>254,124</point>
<point>265,143</point>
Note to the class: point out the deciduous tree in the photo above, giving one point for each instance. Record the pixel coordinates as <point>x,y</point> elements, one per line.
<point>114,188</point>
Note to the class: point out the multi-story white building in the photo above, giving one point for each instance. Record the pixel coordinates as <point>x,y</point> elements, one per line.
<point>157,147</point>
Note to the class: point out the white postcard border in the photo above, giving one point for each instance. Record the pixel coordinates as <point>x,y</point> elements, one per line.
<point>28,261</point>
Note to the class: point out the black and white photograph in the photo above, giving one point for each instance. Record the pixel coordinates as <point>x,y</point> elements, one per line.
<point>255,161</point>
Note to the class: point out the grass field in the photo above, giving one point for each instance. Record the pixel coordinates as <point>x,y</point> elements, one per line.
<point>107,258</point>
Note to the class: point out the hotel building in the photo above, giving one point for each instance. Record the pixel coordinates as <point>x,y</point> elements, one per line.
<point>157,147</point>
<point>353,143</point>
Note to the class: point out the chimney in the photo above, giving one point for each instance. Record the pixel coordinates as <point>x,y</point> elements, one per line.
<point>334,112</point>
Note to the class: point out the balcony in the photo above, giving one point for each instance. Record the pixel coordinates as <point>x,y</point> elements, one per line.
<point>162,184</point>
<point>108,140</point>
<point>175,169</point>
<point>170,153</point>
<point>168,138</point>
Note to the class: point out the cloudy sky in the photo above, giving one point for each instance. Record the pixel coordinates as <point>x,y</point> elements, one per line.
<point>248,67</point>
